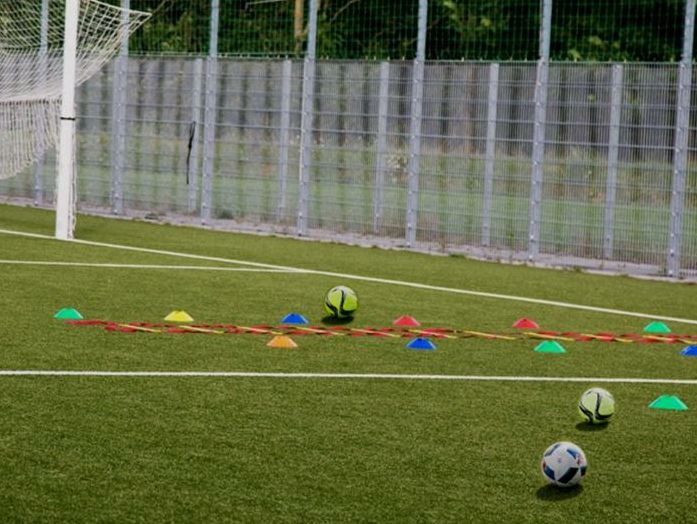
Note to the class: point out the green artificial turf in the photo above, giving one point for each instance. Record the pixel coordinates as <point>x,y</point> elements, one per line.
<point>192,449</point>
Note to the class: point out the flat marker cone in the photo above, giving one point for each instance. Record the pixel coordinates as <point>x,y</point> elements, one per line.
<point>294,318</point>
<point>406,320</point>
<point>281,341</point>
<point>421,343</point>
<point>689,351</point>
<point>179,316</point>
<point>68,313</point>
<point>656,327</point>
<point>525,323</point>
<point>669,402</point>
<point>550,346</point>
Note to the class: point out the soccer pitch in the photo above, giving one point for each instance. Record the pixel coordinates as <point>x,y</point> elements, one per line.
<point>153,427</point>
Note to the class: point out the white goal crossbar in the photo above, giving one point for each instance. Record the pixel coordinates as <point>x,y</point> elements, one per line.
<point>47,48</point>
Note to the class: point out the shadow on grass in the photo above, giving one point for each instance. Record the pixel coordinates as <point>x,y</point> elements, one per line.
<point>335,321</point>
<point>587,426</point>
<point>553,493</point>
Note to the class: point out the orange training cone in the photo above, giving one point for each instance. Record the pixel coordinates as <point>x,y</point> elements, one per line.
<point>282,341</point>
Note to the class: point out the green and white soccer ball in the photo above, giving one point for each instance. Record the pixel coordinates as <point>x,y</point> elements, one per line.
<point>563,464</point>
<point>597,405</point>
<point>341,302</point>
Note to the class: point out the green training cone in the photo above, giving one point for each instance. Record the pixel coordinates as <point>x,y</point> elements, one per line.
<point>68,313</point>
<point>550,346</point>
<point>656,327</point>
<point>671,402</point>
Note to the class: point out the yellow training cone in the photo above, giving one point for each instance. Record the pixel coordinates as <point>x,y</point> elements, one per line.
<point>282,341</point>
<point>179,316</point>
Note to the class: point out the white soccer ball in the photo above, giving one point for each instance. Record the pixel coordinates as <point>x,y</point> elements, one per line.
<point>563,464</point>
<point>596,406</point>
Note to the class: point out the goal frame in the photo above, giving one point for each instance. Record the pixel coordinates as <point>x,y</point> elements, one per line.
<point>65,181</point>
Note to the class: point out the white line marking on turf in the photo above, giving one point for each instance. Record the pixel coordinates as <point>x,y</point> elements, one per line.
<point>369,376</point>
<point>370,279</point>
<point>141,266</point>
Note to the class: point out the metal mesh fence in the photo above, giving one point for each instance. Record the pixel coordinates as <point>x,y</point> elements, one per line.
<point>446,150</point>
<point>473,191</point>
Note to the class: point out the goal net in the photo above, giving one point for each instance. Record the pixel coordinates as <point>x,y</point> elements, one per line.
<point>33,40</point>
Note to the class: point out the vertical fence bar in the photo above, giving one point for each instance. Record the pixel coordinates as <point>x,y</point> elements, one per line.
<point>209,116</point>
<point>308,100</point>
<point>381,146</point>
<point>682,123</point>
<point>193,166</point>
<point>40,163</point>
<point>538,141</point>
<point>414,160</point>
<point>284,137</point>
<point>490,159</point>
<point>118,122</point>
<point>612,160</point>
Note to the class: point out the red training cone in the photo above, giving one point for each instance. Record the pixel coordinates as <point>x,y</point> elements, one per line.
<point>525,323</point>
<point>405,320</point>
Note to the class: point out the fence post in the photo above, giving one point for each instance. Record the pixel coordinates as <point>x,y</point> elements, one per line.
<point>193,167</point>
<point>612,160</point>
<point>538,141</point>
<point>210,116</point>
<point>284,137</point>
<point>381,145</point>
<point>682,123</point>
<point>490,162</point>
<point>414,160</point>
<point>308,100</point>
<point>118,122</point>
<point>40,163</point>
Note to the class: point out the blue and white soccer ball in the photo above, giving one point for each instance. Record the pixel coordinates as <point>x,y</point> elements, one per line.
<point>563,464</point>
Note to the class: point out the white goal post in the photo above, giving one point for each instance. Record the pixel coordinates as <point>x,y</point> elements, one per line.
<point>65,179</point>
<point>47,48</point>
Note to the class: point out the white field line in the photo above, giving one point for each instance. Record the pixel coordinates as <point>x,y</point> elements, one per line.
<point>415,285</point>
<point>141,266</point>
<point>350,376</point>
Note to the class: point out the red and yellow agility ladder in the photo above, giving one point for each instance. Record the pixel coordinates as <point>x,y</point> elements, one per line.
<point>388,332</point>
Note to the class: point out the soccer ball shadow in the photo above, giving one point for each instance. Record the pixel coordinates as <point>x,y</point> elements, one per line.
<point>587,426</point>
<point>331,320</point>
<point>554,493</point>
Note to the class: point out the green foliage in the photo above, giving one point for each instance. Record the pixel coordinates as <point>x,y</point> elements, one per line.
<point>643,30</point>
<point>367,29</point>
<point>493,30</point>
<point>595,30</point>
<point>175,27</point>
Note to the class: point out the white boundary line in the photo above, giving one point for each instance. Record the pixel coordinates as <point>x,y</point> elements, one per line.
<point>350,376</point>
<point>415,285</point>
<point>141,266</point>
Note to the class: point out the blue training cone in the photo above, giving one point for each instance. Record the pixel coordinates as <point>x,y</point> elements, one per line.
<point>421,343</point>
<point>294,318</point>
<point>689,351</point>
